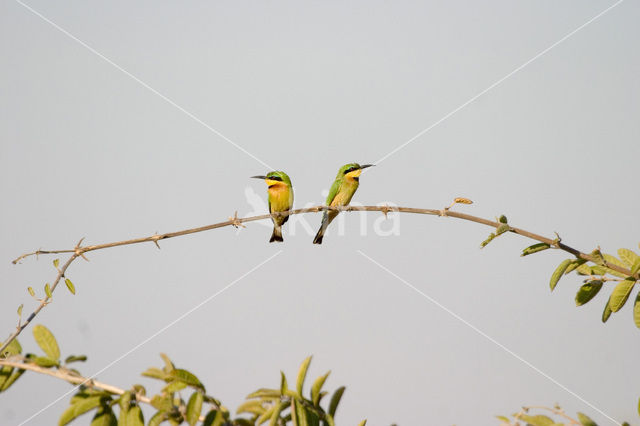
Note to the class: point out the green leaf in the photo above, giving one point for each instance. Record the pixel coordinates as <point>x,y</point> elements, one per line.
<point>557,274</point>
<point>607,311</point>
<point>585,420</point>
<point>20,309</point>
<point>174,386</point>
<point>363,423</point>
<point>273,421</point>
<point>503,419</point>
<point>168,365</point>
<point>194,407</point>
<point>266,415</point>
<point>11,378</point>
<point>75,358</point>
<point>284,387</point>
<point>156,373</point>
<point>317,387</point>
<point>636,267</point>
<point>313,418</point>
<point>162,403</point>
<point>31,292</point>
<point>253,407</point>
<point>78,408</point>
<point>502,229</point>
<point>587,292</point>
<point>265,393</point>
<point>538,420</point>
<point>301,413</point>
<point>335,400</point>
<point>13,348</point>
<point>187,377</point>
<point>488,240</point>
<point>70,286</point>
<point>5,373</point>
<point>46,341</point>
<point>47,290</point>
<point>628,257</point>
<point>302,374</point>
<point>612,260</point>
<point>139,389</point>
<point>502,219</point>
<point>636,310</point>
<point>535,248</point>
<point>56,263</point>
<point>125,403</point>
<point>328,420</point>
<point>639,406</point>
<point>598,259</point>
<point>583,269</point>
<point>133,417</point>
<point>620,294</point>
<point>575,264</point>
<point>598,270</point>
<point>158,418</point>
<point>105,417</point>
<point>45,362</point>
<point>213,418</point>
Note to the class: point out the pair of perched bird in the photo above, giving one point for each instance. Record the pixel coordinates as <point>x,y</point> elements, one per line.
<point>281,197</point>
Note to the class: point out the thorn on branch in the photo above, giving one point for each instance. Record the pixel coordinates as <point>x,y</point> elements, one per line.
<point>385,211</point>
<point>235,221</point>
<point>155,239</point>
<point>78,251</point>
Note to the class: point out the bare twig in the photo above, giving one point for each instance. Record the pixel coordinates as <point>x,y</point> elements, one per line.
<point>79,251</point>
<point>44,302</point>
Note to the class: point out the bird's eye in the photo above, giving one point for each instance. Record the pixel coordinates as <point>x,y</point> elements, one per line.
<point>349,170</point>
<point>275,178</point>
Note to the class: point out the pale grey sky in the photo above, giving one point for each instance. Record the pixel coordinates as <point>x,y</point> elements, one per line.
<point>87,151</point>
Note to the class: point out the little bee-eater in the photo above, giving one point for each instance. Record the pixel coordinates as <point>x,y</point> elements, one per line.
<point>280,200</point>
<point>340,194</point>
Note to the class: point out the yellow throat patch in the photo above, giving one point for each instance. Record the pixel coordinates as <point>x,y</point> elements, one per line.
<point>271,182</point>
<point>354,174</point>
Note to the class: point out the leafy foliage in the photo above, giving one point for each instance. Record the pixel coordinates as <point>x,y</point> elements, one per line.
<point>599,273</point>
<point>554,416</point>
<point>182,398</point>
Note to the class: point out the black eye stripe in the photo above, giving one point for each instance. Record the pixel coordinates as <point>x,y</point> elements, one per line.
<point>350,170</point>
<point>274,178</point>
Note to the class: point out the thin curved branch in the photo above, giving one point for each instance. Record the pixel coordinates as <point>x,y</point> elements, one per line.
<point>44,302</point>
<point>70,377</point>
<point>235,221</point>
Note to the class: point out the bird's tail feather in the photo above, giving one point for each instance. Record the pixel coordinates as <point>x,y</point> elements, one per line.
<point>323,227</point>
<point>319,236</point>
<point>277,235</point>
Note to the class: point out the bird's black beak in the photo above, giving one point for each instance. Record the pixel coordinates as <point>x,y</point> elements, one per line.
<point>367,165</point>
<point>258,177</point>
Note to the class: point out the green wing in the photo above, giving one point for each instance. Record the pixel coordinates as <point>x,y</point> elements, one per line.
<point>335,188</point>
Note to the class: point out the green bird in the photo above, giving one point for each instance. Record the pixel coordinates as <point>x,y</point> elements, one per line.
<point>340,194</point>
<point>280,200</point>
